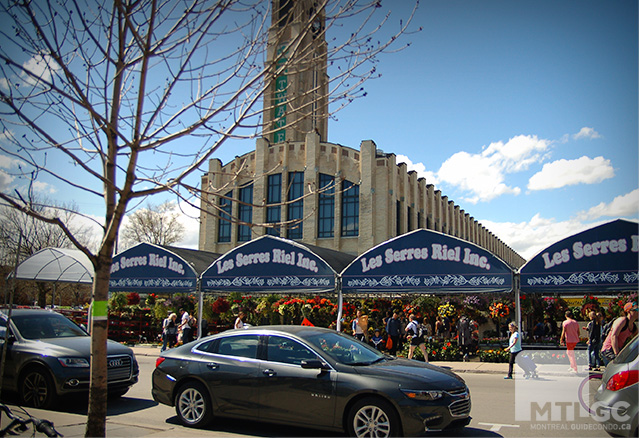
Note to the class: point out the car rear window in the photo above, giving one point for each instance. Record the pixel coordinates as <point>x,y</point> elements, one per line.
<point>239,346</point>
<point>629,353</point>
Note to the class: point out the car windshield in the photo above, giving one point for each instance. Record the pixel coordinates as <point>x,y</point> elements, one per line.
<point>46,325</point>
<point>345,349</point>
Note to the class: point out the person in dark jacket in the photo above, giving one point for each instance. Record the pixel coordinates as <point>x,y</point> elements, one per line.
<point>393,327</point>
<point>594,342</point>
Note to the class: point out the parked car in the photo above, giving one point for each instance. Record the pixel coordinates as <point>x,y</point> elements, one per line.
<point>617,397</point>
<point>310,377</point>
<point>48,356</point>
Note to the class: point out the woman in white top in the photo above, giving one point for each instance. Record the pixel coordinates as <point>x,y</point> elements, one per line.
<point>239,322</point>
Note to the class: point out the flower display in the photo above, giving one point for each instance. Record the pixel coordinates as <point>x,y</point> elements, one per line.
<point>499,309</point>
<point>447,309</point>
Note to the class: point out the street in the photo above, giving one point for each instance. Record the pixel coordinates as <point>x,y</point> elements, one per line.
<point>136,414</point>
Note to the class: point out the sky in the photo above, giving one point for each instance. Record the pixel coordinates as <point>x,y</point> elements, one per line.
<point>524,113</point>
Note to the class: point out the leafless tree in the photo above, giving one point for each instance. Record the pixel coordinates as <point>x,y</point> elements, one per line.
<point>22,235</point>
<point>138,95</point>
<point>158,224</point>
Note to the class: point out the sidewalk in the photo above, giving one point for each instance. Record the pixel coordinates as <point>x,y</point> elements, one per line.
<point>457,367</point>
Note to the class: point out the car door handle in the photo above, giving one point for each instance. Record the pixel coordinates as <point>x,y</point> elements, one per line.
<point>212,366</point>
<point>269,373</point>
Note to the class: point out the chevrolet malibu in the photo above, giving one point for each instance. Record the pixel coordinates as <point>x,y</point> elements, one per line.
<point>310,377</point>
<point>48,356</point>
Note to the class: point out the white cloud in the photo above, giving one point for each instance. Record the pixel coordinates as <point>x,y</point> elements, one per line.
<point>420,168</point>
<point>5,180</point>
<point>482,177</point>
<point>624,206</point>
<point>586,132</point>
<point>7,162</point>
<point>561,173</point>
<point>41,67</point>
<point>190,218</point>
<point>43,187</point>
<point>529,238</point>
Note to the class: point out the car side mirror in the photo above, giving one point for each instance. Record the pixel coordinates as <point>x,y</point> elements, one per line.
<point>313,364</point>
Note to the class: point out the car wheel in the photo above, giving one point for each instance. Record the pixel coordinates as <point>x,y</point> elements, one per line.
<point>36,389</point>
<point>193,406</point>
<point>373,417</point>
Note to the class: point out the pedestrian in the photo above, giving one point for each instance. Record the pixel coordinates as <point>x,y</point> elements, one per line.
<point>392,328</point>
<point>570,337</point>
<point>594,342</point>
<point>514,346</point>
<point>169,332</point>
<point>205,327</point>
<point>439,328</point>
<point>239,322</point>
<point>187,333</point>
<point>464,336</point>
<point>360,326</point>
<point>376,340</point>
<point>415,333</point>
<point>446,327</point>
<point>623,328</point>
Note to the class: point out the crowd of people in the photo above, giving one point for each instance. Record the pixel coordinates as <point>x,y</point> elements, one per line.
<point>605,339</point>
<point>399,329</point>
<point>178,329</point>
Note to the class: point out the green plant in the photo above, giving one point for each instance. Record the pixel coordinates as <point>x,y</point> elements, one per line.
<point>118,301</point>
<point>494,355</point>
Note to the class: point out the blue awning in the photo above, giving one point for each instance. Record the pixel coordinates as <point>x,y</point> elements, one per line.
<point>603,258</point>
<point>273,264</point>
<point>153,268</point>
<point>427,261</point>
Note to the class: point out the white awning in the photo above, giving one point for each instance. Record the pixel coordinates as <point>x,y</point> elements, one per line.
<point>57,265</point>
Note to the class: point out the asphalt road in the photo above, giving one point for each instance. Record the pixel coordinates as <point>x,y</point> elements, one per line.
<point>137,415</point>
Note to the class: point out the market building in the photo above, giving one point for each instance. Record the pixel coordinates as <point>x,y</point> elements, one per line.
<point>298,186</point>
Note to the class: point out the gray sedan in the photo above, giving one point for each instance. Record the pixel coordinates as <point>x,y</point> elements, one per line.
<point>311,377</point>
<point>617,397</point>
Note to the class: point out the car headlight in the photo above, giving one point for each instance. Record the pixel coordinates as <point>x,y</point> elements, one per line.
<point>428,395</point>
<point>73,362</point>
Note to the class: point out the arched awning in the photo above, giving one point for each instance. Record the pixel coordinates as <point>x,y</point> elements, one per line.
<point>427,261</point>
<point>273,264</point>
<point>58,265</point>
<point>603,258</point>
<point>153,268</point>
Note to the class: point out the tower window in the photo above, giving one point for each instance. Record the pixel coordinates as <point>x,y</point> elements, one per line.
<point>284,12</point>
<point>224,222</point>
<point>350,209</point>
<point>326,206</point>
<point>295,210</point>
<point>245,213</point>
<point>274,196</point>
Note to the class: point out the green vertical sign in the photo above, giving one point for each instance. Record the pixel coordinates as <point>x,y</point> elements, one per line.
<point>279,101</point>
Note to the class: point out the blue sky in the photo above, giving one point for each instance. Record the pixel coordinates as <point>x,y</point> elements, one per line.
<point>522,112</point>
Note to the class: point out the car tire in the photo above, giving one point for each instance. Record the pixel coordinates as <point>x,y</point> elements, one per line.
<point>36,388</point>
<point>373,416</point>
<point>193,405</point>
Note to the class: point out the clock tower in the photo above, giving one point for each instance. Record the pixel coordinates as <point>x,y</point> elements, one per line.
<point>296,98</point>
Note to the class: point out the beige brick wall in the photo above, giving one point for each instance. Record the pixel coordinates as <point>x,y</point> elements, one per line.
<point>382,183</point>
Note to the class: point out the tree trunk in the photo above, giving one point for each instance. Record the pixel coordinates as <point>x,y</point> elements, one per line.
<point>96,420</point>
